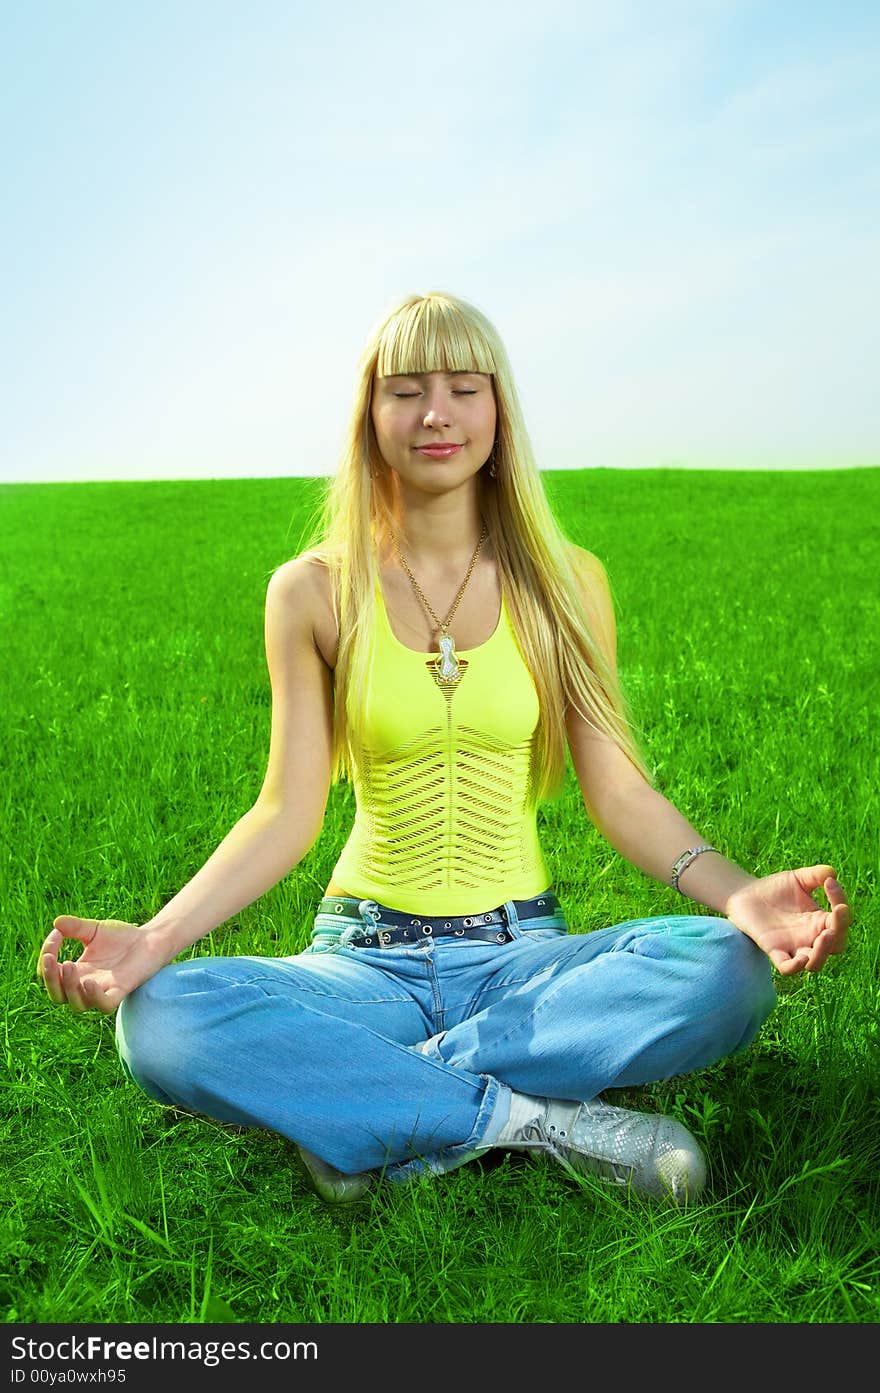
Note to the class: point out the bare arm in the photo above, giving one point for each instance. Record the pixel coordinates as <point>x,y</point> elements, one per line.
<point>776,911</point>
<point>637,820</point>
<point>261,848</point>
<point>274,835</point>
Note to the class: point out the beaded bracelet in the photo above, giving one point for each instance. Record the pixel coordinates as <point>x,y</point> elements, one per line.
<point>682,862</point>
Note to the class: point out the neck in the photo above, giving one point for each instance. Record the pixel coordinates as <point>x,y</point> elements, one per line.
<point>439,530</point>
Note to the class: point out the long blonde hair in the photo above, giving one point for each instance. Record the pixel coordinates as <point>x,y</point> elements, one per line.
<point>536,561</point>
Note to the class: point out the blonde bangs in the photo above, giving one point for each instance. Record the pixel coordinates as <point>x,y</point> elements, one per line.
<point>434,335</point>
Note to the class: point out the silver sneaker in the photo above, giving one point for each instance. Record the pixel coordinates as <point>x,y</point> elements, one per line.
<point>334,1186</point>
<point>652,1154</point>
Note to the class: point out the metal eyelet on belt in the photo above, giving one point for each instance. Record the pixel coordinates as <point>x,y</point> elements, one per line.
<point>375,914</point>
<point>488,919</point>
<point>501,938</point>
<point>426,929</point>
<point>368,943</point>
<point>468,923</point>
<point>415,921</point>
<point>541,902</point>
<point>448,925</point>
<point>457,933</point>
<point>339,908</point>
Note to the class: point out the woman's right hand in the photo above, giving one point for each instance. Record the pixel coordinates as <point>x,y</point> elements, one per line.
<point>117,957</point>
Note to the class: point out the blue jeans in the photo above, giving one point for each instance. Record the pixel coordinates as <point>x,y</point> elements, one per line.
<point>403,1058</point>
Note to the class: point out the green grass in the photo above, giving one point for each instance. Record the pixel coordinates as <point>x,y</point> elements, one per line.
<point>136,722</point>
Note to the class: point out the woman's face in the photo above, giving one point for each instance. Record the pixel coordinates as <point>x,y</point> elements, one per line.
<point>434,409</point>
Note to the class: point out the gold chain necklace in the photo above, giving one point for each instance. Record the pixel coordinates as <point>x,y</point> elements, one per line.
<point>449,670</point>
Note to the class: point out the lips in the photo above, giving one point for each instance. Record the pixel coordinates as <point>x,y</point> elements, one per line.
<point>438,451</point>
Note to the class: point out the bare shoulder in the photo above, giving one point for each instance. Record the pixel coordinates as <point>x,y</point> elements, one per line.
<point>587,565</point>
<point>596,596</point>
<point>301,590</point>
<point>297,774</point>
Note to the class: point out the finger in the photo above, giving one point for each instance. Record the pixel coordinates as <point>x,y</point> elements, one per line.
<point>820,951</point>
<point>841,912</point>
<point>100,999</point>
<point>50,971</point>
<point>49,950</point>
<point>835,892</point>
<point>48,965</point>
<point>72,987</point>
<point>789,964</point>
<point>838,928</point>
<point>830,940</point>
<point>833,935</point>
<point>72,926</point>
<point>811,877</point>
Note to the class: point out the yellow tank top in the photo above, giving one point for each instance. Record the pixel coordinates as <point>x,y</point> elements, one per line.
<point>445,818</point>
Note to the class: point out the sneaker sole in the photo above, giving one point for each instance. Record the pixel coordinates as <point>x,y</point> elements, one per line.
<point>332,1186</point>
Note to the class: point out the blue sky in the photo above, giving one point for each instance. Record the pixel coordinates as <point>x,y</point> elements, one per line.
<point>670,211</point>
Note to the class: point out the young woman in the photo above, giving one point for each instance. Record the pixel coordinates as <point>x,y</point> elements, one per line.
<point>442,644</point>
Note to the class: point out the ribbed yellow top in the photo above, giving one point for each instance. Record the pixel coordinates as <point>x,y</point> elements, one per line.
<point>445,817</point>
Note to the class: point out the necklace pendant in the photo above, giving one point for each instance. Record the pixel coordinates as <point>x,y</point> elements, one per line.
<point>448,671</point>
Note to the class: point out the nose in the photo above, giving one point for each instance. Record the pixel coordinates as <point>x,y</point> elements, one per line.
<point>436,414</point>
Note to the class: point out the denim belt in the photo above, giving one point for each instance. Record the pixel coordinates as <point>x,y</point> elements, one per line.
<point>396,926</point>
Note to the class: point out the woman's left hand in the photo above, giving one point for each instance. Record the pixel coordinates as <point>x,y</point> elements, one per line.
<point>778,913</point>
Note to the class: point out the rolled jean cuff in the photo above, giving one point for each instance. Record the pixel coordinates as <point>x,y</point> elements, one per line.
<point>491,1117</point>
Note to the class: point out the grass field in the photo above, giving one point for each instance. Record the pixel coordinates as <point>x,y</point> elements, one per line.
<point>136,711</point>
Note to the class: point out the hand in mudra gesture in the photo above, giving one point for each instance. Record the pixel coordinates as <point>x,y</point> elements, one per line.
<point>778,913</point>
<point>117,957</point>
